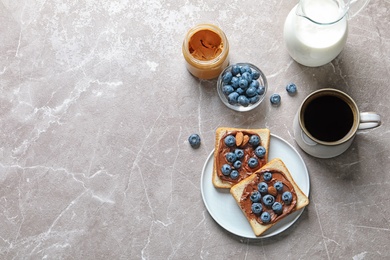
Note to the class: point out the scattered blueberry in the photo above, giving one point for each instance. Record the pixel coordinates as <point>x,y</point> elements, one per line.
<point>227,77</point>
<point>253,162</point>
<point>194,140</point>
<point>287,197</point>
<point>254,140</point>
<point>226,169</point>
<point>231,157</point>
<point>234,174</point>
<point>257,208</point>
<point>268,200</point>
<point>230,140</point>
<point>262,187</point>
<point>275,99</point>
<point>260,151</point>
<point>255,196</point>
<point>237,164</point>
<point>278,186</point>
<point>239,153</point>
<point>265,217</point>
<point>277,208</point>
<point>267,176</point>
<point>291,88</point>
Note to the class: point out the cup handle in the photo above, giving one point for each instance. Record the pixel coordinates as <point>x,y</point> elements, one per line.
<point>307,140</point>
<point>369,120</point>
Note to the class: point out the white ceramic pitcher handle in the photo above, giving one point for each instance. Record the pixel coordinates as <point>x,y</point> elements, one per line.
<point>369,120</point>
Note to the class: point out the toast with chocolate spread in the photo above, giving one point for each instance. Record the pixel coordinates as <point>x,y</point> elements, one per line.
<point>268,195</point>
<point>238,153</point>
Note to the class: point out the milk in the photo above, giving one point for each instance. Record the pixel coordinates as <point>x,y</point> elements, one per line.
<point>315,43</point>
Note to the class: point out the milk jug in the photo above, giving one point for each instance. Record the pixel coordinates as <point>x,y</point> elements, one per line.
<point>315,31</point>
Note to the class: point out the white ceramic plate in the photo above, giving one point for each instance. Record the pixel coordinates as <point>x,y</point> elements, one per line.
<point>224,209</point>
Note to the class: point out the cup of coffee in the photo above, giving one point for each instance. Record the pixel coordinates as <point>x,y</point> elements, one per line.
<point>327,121</point>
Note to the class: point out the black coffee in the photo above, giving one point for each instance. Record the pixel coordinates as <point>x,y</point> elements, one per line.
<point>328,118</point>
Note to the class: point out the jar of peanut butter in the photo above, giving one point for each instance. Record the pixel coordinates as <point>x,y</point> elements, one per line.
<point>206,51</point>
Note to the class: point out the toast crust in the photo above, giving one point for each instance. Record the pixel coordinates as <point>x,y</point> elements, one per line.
<point>238,190</point>
<point>219,159</point>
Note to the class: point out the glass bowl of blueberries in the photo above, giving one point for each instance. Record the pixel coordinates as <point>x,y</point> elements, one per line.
<point>242,86</point>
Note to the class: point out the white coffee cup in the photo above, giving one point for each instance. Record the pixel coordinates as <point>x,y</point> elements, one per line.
<point>327,121</point>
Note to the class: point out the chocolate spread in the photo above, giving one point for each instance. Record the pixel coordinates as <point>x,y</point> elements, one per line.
<point>249,151</point>
<point>246,202</point>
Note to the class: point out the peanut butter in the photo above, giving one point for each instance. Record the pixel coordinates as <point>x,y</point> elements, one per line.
<point>244,170</point>
<point>205,45</point>
<point>246,203</point>
<point>206,51</point>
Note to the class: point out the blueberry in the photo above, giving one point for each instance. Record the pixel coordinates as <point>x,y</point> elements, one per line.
<point>245,68</point>
<point>255,74</point>
<point>243,83</point>
<point>265,217</point>
<point>254,140</point>
<point>251,91</point>
<point>232,98</point>
<point>268,200</point>
<point>277,208</point>
<point>260,90</point>
<point>240,91</point>
<point>254,99</point>
<point>227,89</point>
<point>231,157</point>
<point>267,176</point>
<point>278,186</point>
<point>234,82</point>
<point>254,83</point>
<point>237,164</point>
<point>275,99</point>
<point>235,70</point>
<point>287,197</point>
<point>291,88</point>
<point>230,140</point>
<point>194,141</point>
<point>255,196</point>
<point>227,77</point>
<point>247,76</point>
<point>239,153</point>
<point>234,174</point>
<point>260,151</point>
<point>262,187</point>
<point>253,162</point>
<point>243,100</point>
<point>257,208</point>
<point>226,169</point>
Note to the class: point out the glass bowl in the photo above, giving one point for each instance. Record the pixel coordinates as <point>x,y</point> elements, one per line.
<point>237,94</point>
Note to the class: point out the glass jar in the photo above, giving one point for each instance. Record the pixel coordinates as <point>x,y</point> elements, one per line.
<point>206,51</point>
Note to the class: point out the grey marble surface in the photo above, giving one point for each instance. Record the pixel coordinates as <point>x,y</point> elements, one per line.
<point>96,106</point>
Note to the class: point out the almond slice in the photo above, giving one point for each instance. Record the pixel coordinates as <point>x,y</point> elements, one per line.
<point>245,141</point>
<point>239,138</point>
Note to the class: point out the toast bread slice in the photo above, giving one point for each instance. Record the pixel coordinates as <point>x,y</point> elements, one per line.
<point>264,135</point>
<point>238,190</point>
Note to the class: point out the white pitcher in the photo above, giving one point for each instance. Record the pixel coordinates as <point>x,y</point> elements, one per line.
<point>315,31</point>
